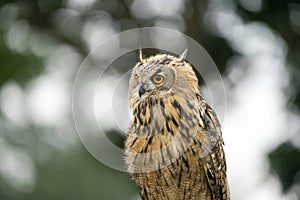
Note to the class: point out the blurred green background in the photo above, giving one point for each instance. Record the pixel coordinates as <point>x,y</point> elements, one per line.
<point>255,44</point>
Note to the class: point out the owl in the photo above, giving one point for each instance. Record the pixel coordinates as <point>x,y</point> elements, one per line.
<point>174,145</point>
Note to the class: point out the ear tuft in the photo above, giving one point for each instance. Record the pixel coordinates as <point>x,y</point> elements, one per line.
<point>140,55</point>
<point>183,55</point>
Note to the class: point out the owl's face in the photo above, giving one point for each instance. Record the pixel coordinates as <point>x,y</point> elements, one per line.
<point>153,79</point>
<point>157,77</point>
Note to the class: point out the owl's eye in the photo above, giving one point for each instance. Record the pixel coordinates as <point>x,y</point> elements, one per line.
<point>157,79</point>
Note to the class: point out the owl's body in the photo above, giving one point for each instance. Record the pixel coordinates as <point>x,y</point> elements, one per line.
<point>174,143</point>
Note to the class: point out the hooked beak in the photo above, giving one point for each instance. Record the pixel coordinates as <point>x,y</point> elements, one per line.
<point>142,90</point>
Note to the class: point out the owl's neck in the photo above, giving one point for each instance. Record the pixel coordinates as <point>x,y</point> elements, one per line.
<point>166,116</point>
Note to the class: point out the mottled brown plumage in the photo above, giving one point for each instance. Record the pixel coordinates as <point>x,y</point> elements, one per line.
<point>174,143</point>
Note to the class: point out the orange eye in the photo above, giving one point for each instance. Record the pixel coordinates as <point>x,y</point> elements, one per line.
<point>158,79</point>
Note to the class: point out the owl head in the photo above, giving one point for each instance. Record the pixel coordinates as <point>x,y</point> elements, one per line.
<point>160,76</point>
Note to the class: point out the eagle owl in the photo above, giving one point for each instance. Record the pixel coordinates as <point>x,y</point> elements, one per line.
<point>174,146</point>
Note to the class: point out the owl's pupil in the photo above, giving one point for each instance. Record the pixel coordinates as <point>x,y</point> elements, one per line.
<point>158,78</point>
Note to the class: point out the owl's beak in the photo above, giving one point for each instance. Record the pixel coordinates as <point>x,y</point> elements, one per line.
<point>142,90</point>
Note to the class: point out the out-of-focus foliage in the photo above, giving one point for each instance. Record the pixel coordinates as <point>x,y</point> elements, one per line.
<point>283,17</point>
<point>11,66</point>
<point>285,165</point>
<point>73,175</point>
<point>31,32</point>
